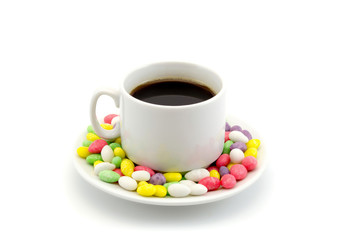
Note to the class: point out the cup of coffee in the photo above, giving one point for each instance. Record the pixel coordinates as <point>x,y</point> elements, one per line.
<point>172,116</point>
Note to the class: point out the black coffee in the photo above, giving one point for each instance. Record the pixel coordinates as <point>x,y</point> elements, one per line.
<point>172,92</point>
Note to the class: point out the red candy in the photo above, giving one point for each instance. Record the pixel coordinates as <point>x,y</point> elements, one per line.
<point>118,170</point>
<point>227,136</point>
<point>228,181</point>
<point>109,117</point>
<point>212,168</point>
<point>249,163</point>
<point>97,145</point>
<point>211,183</point>
<point>223,160</point>
<point>143,168</point>
<point>238,171</point>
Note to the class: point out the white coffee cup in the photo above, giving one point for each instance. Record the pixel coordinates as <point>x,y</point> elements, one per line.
<point>167,138</point>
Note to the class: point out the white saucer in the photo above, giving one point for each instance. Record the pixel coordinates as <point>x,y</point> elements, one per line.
<point>86,171</point>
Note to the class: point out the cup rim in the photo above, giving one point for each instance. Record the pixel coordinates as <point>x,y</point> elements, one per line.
<point>199,104</point>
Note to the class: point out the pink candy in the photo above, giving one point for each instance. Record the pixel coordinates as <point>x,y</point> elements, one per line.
<point>109,117</point>
<point>143,168</point>
<point>118,170</point>
<point>238,171</point>
<point>211,183</point>
<point>227,136</point>
<point>97,145</point>
<point>212,168</point>
<point>228,181</point>
<point>223,160</point>
<point>249,163</point>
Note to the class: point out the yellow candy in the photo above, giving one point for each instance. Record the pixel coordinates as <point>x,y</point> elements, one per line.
<point>118,140</point>
<point>214,173</point>
<point>146,190</point>
<point>142,183</point>
<point>92,137</point>
<point>230,165</point>
<point>253,143</point>
<point>127,167</point>
<point>160,191</point>
<point>251,152</point>
<point>83,152</point>
<point>172,176</point>
<point>97,162</point>
<point>119,152</point>
<point>106,126</point>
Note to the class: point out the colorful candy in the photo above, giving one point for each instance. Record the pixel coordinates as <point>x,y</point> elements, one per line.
<point>211,183</point>
<point>149,170</point>
<point>198,189</point>
<point>247,134</point>
<point>249,163</point>
<point>127,183</point>
<point>127,167</point>
<point>223,160</point>
<point>141,175</point>
<point>240,145</point>
<point>237,136</point>
<point>83,152</point>
<point>92,158</point>
<point>197,174</point>
<point>146,190</point>
<point>107,153</point>
<point>161,191</point>
<point>228,181</point>
<point>108,118</point>
<point>214,173</point>
<point>97,145</point>
<point>157,179</point>
<point>172,176</point>
<point>178,190</point>
<point>223,171</point>
<point>227,145</point>
<point>109,176</point>
<point>103,166</point>
<point>251,152</point>
<point>119,152</point>
<point>116,161</point>
<point>236,155</point>
<point>235,128</point>
<point>238,171</point>
<point>92,136</point>
<point>253,143</point>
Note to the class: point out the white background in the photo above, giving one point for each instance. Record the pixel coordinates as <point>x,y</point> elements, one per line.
<point>293,71</point>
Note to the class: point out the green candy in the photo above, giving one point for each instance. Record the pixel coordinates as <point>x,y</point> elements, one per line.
<point>166,185</point>
<point>227,145</point>
<point>114,145</point>
<point>90,129</point>
<point>109,176</point>
<point>116,161</point>
<point>86,143</point>
<point>93,157</point>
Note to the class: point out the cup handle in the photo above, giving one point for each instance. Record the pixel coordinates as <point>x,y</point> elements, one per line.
<point>101,132</point>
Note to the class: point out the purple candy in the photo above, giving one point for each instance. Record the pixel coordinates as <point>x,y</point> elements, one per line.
<point>227,127</point>
<point>223,170</point>
<point>157,179</point>
<point>247,134</point>
<point>235,128</point>
<point>240,145</point>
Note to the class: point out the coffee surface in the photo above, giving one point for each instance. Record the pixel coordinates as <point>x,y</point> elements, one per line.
<point>172,92</point>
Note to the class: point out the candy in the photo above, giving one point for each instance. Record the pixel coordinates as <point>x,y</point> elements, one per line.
<point>141,175</point>
<point>90,129</point>
<point>247,134</point>
<point>108,118</point>
<point>238,171</point>
<point>118,151</point>
<point>251,152</point>
<point>172,176</point>
<point>227,145</point>
<point>103,166</point>
<point>118,170</point>
<point>146,190</point>
<point>235,128</point>
<point>161,191</point>
<point>86,143</point>
<point>223,170</point>
<point>93,158</point>
<point>142,183</point>
<point>223,160</point>
<point>167,185</point>
<point>115,120</point>
<point>127,167</point>
<point>214,173</point>
<point>118,140</point>
<point>127,183</point>
<point>114,145</point>
<point>107,153</point>
<point>178,190</point>
<point>139,168</point>
<point>92,136</point>
<point>240,145</point>
<point>188,183</point>
<point>227,136</point>
<point>83,152</point>
<point>237,136</point>
<point>213,168</point>
<point>236,155</point>
<point>198,189</point>
<point>106,126</point>
<point>230,165</point>
<point>97,146</point>
<point>116,161</point>
<point>97,162</point>
<point>157,179</point>
<point>109,176</point>
<point>253,143</point>
<point>197,174</point>
<point>249,163</point>
<point>228,181</point>
<point>227,127</point>
<point>211,183</point>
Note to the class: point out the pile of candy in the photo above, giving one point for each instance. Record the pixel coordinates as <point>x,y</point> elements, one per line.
<point>112,166</point>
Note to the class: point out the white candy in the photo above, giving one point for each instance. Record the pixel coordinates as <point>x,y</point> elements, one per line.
<point>178,190</point>
<point>198,189</point>
<point>197,174</point>
<point>188,183</point>
<point>103,166</point>
<point>107,153</point>
<point>237,136</point>
<point>115,121</point>
<point>236,155</point>
<point>141,175</point>
<point>127,183</point>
